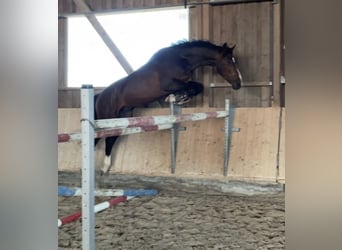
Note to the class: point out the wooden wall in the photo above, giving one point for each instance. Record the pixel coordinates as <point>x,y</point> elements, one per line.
<point>254,152</point>
<point>248,25</point>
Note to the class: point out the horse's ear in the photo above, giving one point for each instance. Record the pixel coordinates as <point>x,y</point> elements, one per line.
<point>233,47</point>
<point>224,45</point>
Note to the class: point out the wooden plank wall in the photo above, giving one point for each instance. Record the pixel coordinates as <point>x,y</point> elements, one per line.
<point>248,25</point>
<point>253,155</point>
<point>71,97</point>
<point>69,154</point>
<point>254,149</point>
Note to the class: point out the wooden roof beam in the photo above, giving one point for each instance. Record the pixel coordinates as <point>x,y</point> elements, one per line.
<point>83,7</point>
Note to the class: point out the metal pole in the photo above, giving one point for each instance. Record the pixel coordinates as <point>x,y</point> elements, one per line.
<point>173,135</point>
<point>87,123</point>
<point>211,91</point>
<point>226,138</point>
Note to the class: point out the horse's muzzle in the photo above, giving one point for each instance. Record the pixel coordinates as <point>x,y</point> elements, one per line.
<point>236,86</point>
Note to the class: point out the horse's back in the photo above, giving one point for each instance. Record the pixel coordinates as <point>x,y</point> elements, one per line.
<point>143,86</point>
<point>137,89</point>
<point>107,101</point>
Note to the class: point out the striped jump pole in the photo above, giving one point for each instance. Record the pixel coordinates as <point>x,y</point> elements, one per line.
<point>157,120</point>
<point>113,132</point>
<point>97,208</point>
<point>76,191</point>
<point>134,125</point>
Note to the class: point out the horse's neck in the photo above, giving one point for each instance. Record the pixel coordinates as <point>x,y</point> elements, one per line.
<point>198,57</point>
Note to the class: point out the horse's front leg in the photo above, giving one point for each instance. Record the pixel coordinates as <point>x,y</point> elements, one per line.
<point>194,88</point>
<point>184,91</point>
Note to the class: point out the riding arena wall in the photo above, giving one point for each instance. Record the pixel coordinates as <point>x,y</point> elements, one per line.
<point>256,151</point>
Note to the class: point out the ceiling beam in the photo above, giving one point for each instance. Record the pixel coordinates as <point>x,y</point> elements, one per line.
<point>83,7</point>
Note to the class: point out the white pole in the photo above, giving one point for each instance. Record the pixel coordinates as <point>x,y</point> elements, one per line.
<point>87,123</point>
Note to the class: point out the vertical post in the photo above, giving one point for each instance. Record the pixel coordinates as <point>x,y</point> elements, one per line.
<point>226,138</point>
<point>172,100</point>
<point>207,34</point>
<point>276,59</point>
<point>174,110</point>
<point>87,121</point>
<point>211,95</point>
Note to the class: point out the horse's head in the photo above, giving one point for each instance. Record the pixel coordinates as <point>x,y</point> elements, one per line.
<point>227,68</point>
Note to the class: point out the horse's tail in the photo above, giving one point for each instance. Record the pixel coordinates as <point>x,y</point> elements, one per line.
<point>95,98</point>
<point>95,116</point>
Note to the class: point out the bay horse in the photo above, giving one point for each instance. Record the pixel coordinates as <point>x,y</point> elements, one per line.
<point>169,71</point>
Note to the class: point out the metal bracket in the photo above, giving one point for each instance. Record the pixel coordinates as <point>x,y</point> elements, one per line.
<point>233,129</point>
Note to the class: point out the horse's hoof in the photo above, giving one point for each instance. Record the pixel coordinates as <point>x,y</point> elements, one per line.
<point>104,173</point>
<point>169,98</point>
<point>180,100</point>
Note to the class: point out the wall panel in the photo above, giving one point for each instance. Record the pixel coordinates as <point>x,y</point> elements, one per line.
<point>253,151</point>
<point>248,27</point>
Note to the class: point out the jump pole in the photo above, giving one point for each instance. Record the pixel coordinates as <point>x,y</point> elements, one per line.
<point>88,179</point>
<point>133,125</point>
<point>97,208</point>
<point>67,137</point>
<point>76,191</point>
<point>157,120</point>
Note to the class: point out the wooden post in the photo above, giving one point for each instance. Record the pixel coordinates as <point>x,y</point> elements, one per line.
<point>276,54</point>
<point>62,52</point>
<point>206,35</point>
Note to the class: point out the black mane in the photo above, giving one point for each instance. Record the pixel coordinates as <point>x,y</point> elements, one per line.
<point>184,44</point>
<point>194,43</point>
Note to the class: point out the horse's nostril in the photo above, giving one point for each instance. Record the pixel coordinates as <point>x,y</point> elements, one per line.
<point>236,86</point>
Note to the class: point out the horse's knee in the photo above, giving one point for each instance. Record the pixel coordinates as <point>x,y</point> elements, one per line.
<point>199,88</point>
<point>195,90</point>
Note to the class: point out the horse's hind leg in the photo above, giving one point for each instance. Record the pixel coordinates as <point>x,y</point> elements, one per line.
<point>96,141</point>
<point>110,141</point>
<point>108,160</point>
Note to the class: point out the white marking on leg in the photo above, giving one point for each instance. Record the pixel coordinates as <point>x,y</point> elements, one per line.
<point>106,164</point>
